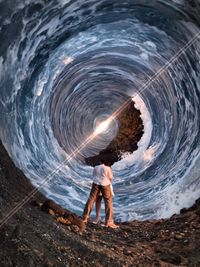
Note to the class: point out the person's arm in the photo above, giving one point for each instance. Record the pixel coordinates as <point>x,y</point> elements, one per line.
<point>111,178</point>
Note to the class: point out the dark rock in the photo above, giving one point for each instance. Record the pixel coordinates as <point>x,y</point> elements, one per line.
<point>171,258</point>
<point>198,211</point>
<point>197,202</point>
<point>127,252</point>
<point>49,206</point>
<point>16,232</point>
<point>36,203</point>
<point>130,132</point>
<point>168,256</point>
<point>184,210</point>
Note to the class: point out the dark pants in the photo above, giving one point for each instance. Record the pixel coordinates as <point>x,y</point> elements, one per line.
<point>107,196</point>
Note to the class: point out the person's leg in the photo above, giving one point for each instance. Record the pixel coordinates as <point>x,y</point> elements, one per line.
<point>107,195</point>
<point>90,202</point>
<point>98,207</point>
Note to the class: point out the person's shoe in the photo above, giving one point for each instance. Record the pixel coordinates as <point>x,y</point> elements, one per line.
<point>112,225</point>
<point>85,220</point>
<point>96,221</point>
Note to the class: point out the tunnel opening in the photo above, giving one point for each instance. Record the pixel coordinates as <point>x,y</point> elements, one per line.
<point>131,129</point>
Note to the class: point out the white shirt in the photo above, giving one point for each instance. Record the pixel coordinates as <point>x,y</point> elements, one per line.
<point>102,175</point>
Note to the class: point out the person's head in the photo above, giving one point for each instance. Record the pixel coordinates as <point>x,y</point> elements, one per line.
<point>102,161</point>
<point>105,162</point>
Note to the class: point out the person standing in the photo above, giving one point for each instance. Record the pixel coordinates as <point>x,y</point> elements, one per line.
<point>102,179</point>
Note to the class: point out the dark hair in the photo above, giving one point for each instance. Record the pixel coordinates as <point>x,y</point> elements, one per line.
<point>102,161</point>
<point>105,161</point>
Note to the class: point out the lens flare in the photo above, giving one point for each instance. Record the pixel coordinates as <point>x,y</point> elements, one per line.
<point>78,68</point>
<point>103,126</point>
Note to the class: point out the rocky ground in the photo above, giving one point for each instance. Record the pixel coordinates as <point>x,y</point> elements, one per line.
<point>31,237</point>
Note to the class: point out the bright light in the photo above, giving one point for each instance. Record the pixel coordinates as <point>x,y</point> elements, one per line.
<point>102,126</point>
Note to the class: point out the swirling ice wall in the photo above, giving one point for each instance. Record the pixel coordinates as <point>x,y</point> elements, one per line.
<point>67,65</point>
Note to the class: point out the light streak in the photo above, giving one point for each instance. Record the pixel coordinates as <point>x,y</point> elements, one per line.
<point>94,134</point>
<point>103,126</point>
